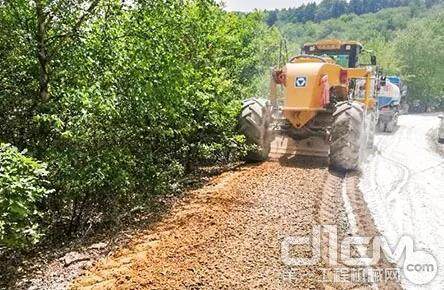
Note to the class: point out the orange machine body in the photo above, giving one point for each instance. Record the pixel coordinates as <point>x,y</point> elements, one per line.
<point>309,82</point>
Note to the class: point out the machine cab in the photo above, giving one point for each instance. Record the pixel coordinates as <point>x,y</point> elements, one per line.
<point>344,53</point>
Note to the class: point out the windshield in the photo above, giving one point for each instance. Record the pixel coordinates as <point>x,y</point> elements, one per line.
<point>340,59</point>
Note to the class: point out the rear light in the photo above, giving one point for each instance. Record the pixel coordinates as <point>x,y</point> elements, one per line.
<point>280,77</point>
<point>325,91</point>
<point>385,109</point>
<point>343,76</point>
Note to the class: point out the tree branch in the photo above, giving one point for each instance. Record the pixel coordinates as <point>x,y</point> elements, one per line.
<point>42,55</point>
<point>65,36</point>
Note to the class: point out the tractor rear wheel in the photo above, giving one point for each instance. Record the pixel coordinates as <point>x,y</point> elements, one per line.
<point>346,137</point>
<point>390,127</point>
<point>254,121</point>
<point>381,126</point>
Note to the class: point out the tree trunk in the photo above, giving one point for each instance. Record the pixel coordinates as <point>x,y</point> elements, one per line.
<point>42,53</point>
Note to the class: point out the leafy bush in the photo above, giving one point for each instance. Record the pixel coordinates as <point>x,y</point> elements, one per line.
<point>22,185</point>
<point>328,9</point>
<point>138,96</point>
<point>423,59</point>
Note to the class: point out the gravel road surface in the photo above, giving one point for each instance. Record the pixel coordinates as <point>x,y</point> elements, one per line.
<point>226,235</point>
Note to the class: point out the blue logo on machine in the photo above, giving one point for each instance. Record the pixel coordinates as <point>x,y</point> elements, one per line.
<point>301,82</point>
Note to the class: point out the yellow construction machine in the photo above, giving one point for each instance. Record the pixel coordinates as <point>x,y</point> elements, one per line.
<point>321,103</point>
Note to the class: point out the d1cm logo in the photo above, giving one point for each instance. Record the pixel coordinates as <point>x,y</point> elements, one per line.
<point>301,82</point>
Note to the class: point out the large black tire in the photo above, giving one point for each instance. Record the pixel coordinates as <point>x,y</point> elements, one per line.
<point>371,130</point>
<point>254,121</point>
<point>392,124</point>
<point>390,127</point>
<point>346,137</point>
<point>381,126</point>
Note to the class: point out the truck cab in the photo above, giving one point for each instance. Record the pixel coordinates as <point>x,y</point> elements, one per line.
<point>344,53</point>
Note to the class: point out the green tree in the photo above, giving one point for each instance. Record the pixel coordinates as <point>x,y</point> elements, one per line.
<point>387,55</point>
<point>420,50</point>
<point>272,18</point>
<point>23,184</point>
<point>356,7</point>
<point>136,96</point>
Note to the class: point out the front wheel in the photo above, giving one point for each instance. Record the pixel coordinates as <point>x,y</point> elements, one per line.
<point>390,127</point>
<point>346,137</point>
<point>381,126</point>
<point>254,120</point>
<point>392,124</point>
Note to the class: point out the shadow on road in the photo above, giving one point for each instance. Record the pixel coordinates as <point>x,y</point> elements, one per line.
<point>303,161</point>
<point>378,133</point>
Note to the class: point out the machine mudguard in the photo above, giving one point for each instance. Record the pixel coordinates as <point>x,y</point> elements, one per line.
<point>341,107</point>
<point>344,106</point>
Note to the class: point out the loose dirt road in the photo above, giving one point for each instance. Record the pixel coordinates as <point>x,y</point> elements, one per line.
<point>228,234</point>
<point>403,185</point>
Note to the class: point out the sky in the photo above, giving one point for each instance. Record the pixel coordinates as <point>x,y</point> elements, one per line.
<point>249,5</point>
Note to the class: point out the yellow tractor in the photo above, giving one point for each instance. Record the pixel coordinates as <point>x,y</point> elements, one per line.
<point>321,103</point>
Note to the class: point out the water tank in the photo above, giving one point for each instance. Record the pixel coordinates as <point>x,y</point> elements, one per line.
<point>389,94</point>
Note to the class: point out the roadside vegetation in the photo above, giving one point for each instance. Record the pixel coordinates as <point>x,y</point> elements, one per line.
<point>328,9</point>
<point>105,106</point>
<point>118,102</point>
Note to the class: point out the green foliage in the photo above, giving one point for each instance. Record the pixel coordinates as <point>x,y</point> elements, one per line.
<point>368,27</point>
<point>420,49</point>
<point>387,53</point>
<point>22,185</point>
<point>328,9</point>
<point>18,74</point>
<point>139,96</point>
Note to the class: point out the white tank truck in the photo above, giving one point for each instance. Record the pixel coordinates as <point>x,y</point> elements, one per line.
<point>389,102</point>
